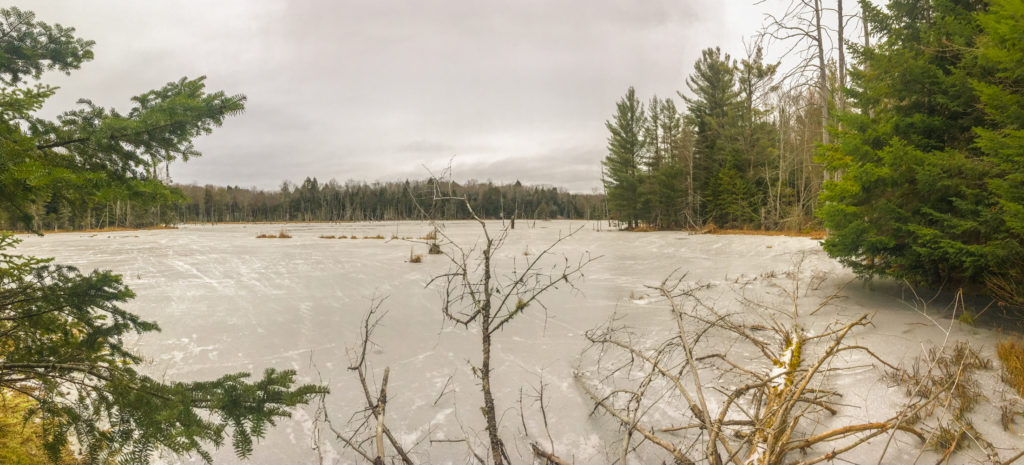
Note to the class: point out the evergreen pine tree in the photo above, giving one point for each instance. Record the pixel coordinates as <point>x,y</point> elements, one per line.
<point>663,190</point>
<point>1001,91</point>
<point>711,106</point>
<point>920,197</point>
<point>622,167</point>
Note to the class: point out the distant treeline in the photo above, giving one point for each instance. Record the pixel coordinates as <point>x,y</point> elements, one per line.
<point>358,201</point>
<point>149,202</point>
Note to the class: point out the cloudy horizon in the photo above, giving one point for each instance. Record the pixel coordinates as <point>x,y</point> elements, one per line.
<point>383,90</point>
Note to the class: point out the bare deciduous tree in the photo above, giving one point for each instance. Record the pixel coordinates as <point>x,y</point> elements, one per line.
<point>476,294</point>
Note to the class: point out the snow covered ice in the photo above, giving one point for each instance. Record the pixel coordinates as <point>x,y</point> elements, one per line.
<point>228,302</point>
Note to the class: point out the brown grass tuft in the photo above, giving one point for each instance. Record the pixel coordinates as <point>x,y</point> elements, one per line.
<point>374,237</point>
<point>414,257</point>
<point>430,236</point>
<point>1008,414</point>
<point>1008,288</point>
<point>1011,354</point>
<point>280,235</point>
<point>327,237</point>
<point>644,228</point>
<point>342,237</point>
<point>946,439</point>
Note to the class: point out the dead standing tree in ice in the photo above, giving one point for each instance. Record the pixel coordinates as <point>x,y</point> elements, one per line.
<point>365,432</point>
<point>740,389</point>
<point>476,295</point>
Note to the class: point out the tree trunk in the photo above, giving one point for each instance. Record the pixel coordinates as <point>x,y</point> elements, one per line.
<point>822,73</point>
<point>842,53</point>
<point>782,146</point>
<point>691,211</point>
<point>485,365</point>
<point>489,410</point>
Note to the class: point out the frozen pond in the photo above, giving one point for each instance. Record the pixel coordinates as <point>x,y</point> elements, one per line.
<point>229,302</point>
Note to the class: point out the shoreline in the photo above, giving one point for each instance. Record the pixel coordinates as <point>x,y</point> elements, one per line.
<point>92,230</point>
<point>815,234</point>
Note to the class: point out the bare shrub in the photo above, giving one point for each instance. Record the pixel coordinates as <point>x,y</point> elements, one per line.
<point>933,375</point>
<point>946,376</point>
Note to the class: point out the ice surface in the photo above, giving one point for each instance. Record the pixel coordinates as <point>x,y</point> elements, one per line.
<point>229,302</point>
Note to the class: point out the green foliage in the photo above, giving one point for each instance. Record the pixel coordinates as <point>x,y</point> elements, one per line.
<point>733,146</point>
<point>31,47</point>
<point>715,164</point>
<point>646,167</point>
<point>714,99</point>
<point>62,333</point>
<point>622,165</point>
<point>159,128</point>
<point>713,87</point>
<point>90,155</point>
<point>732,199</point>
<point>21,439</point>
<point>921,197</point>
<point>664,199</point>
<point>1001,92</point>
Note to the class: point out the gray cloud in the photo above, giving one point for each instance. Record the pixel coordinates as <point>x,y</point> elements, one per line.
<point>374,89</point>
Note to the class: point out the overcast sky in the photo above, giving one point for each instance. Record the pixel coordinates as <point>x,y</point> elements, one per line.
<point>375,89</point>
